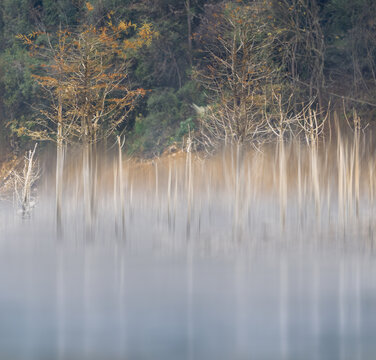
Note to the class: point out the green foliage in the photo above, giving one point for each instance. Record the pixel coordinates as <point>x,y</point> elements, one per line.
<point>350,31</point>
<point>18,87</point>
<point>187,126</point>
<point>169,117</point>
<point>153,131</point>
<point>16,17</point>
<point>62,12</point>
<point>17,81</point>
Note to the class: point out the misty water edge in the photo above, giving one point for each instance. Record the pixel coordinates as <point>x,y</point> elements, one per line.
<point>262,254</point>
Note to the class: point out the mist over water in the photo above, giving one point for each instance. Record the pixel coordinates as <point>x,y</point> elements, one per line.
<point>247,255</point>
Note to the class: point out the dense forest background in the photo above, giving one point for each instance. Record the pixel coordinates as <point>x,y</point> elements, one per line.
<point>317,52</point>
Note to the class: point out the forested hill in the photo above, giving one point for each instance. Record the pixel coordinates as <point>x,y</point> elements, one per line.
<point>241,54</point>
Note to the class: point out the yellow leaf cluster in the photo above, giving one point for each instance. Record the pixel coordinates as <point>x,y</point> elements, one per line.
<point>89,6</point>
<point>124,26</point>
<point>146,33</point>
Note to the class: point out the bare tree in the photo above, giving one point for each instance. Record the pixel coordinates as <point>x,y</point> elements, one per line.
<point>236,73</point>
<point>23,182</point>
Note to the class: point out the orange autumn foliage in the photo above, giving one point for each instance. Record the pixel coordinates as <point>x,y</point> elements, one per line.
<point>85,77</point>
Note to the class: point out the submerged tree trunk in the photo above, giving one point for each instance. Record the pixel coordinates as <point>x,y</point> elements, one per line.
<point>87,186</point>
<point>28,181</point>
<point>121,187</point>
<point>59,168</point>
<point>59,187</point>
<point>89,175</point>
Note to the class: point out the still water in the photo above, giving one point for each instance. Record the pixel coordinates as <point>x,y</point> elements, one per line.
<point>303,289</point>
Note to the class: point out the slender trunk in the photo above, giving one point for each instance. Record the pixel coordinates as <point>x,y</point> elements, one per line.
<point>87,188</point>
<point>237,206</point>
<point>189,186</point>
<point>282,182</point>
<point>357,166</point>
<point>28,171</point>
<point>169,195</point>
<point>59,167</point>
<point>121,186</point>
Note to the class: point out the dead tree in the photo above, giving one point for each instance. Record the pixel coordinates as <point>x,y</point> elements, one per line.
<point>236,73</point>
<point>24,181</point>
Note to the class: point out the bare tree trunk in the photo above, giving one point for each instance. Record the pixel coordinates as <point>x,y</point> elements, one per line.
<point>28,182</point>
<point>169,195</point>
<point>189,185</point>
<point>59,169</point>
<point>121,186</point>
<point>87,185</point>
<point>282,181</point>
<point>23,182</point>
<point>238,201</point>
<point>59,187</point>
